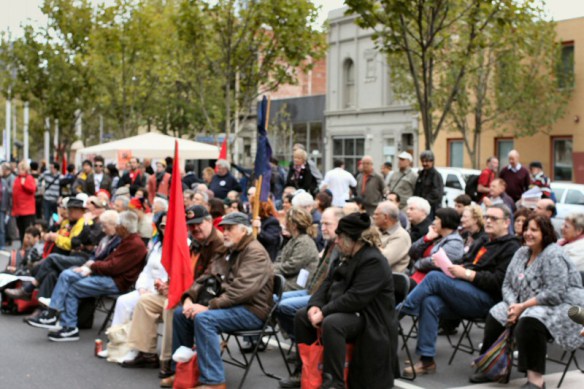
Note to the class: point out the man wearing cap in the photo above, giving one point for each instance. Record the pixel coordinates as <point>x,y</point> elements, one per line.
<point>71,235</point>
<point>429,184</point>
<point>403,181</point>
<point>540,180</point>
<point>206,248</point>
<point>158,183</point>
<point>339,182</point>
<point>355,304</point>
<point>370,185</point>
<point>244,304</point>
<point>113,275</point>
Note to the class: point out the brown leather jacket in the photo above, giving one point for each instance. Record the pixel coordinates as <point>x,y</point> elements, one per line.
<point>249,279</point>
<point>211,262</point>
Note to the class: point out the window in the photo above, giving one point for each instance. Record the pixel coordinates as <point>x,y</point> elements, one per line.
<point>559,192</point>
<point>455,153</point>
<point>566,66</point>
<point>453,182</point>
<point>350,150</point>
<point>575,197</point>
<point>562,163</point>
<point>349,84</point>
<point>502,149</point>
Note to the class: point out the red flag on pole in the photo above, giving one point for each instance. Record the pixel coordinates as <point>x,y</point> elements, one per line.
<point>176,257</point>
<point>223,151</point>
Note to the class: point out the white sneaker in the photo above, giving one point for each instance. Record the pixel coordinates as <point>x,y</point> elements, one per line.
<point>45,301</point>
<point>103,354</point>
<point>183,354</point>
<point>130,356</point>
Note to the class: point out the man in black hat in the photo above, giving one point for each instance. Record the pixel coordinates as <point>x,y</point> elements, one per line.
<point>206,249</point>
<point>355,304</point>
<point>68,249</point>
<point>244,304</point>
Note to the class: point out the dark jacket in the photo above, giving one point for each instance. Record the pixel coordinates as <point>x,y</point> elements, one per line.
<point>430,186</point>
<point>190,179</point>
<point>419,230</point>
<point>139,181</point>
<point>84,183</point>
<point>221,185</point>
<point>270,236</point>
<point>373,193</point>
<point>125,263</point>
<point>517,182</point>
<point>363,284</point>
<point>249,280</point>
<point>305,180</point>
<point>492,264</point>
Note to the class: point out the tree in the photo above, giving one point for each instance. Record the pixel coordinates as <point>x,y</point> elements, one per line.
<point>425,40</point>
<point>512,84</point>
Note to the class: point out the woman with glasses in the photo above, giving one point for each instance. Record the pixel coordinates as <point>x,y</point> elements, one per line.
<point>541,284</point>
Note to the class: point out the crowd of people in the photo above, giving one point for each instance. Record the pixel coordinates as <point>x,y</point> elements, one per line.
<point>336,239</point>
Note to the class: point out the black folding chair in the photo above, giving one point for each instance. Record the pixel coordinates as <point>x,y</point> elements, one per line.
<point>107,305</point>
<point>469,347</point>
<point>401,283</point>
<point>268,329</point>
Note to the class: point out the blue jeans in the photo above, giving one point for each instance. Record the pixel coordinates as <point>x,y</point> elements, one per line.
<point>205,329</point>
<point>73,286</point>
<point>291,302</point>
<point>440,296</point>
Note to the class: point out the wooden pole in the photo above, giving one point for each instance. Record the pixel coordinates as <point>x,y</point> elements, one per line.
<point>268,114</point>
<point>256,203</point>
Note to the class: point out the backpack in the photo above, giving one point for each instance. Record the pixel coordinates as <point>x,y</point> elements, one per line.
<point>472,187</point>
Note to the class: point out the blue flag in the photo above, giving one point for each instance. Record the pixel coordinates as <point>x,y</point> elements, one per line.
<point>264,152</point>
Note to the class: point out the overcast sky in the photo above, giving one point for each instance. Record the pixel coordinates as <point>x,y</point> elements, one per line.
<point>14,12</point>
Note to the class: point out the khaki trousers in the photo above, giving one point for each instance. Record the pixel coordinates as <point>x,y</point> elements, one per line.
<point>144,328</point>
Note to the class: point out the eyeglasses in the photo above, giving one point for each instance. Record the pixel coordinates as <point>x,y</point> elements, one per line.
<point>493,218</point>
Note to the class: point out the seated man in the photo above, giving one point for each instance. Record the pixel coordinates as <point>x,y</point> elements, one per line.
<point>292,301</point>
<point>418,212</point>
<point>355,304</point>
<point>65,253</point>
<point>395,241</point>
<point>244,304</point>
<point>29,255</point>
<point>115,274</point>
<point>403,219</point>
<point>475,288</point>
<point>206,248</point>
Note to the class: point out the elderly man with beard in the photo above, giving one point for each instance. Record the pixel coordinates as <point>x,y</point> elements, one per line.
<point>244,304</point>
<point>292,301</point>
<point>355,304</point>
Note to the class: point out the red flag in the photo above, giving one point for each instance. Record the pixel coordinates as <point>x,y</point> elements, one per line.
<point>64,164</point>
<point>223,151</point>
<point>176,257</point>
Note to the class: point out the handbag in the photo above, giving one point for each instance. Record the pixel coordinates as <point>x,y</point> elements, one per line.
<point>211,289</point>
<point>312,356</point>
<point>497,361</point>
<point>187,374</point>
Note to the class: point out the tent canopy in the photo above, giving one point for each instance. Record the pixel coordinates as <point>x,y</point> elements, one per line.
<point>152,145</point>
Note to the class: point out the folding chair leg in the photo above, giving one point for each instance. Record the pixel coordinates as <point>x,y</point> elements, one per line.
<point>108,317</point>
<point>409,356</point>
<point>572,357</point>
<point>466,327</point>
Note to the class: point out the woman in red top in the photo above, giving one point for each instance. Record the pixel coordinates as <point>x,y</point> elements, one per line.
<point>23,199</point>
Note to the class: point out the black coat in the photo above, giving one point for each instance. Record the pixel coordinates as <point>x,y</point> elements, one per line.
<point>304,181</point>
<point>270,236</point>
<point>420,229</point>
<point>364,284</point>
<point>430,186</point>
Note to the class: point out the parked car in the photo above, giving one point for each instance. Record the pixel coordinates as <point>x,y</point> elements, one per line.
<point>454,182</point>
<point>569,198</point>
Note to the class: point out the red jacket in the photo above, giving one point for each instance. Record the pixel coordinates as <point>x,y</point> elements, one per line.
<point>23,196</point>
<point>124,264</point>
<point>162,189</point>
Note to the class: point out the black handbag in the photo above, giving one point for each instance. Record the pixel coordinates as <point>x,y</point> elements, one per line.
<point>211,289</point>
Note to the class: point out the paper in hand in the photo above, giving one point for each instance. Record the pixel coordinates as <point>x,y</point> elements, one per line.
<point>302,278</point>
<point>442,261</point>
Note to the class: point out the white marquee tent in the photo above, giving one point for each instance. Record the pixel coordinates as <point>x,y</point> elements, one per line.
<point>151,145</point>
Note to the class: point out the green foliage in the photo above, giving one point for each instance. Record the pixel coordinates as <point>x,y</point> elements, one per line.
<point>177,65</point>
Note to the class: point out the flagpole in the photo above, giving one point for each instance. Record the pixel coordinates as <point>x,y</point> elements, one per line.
<point>256,204</point>
<point>268,114</point>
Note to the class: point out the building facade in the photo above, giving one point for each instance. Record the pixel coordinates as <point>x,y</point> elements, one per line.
<point>560,150</point>
<point>362,116</point>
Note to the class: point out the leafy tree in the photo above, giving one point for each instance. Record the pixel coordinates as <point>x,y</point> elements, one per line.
<point>425,40</point>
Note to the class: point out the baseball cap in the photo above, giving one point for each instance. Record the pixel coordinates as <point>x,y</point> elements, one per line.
<point>196,214</point>
<point>405,155</point>
<point>235,218</point>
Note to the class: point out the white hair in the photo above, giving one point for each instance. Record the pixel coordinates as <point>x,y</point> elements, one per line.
<point>223,163</point>
<point>302,199</point>
<point>205,196</point>
<point>389,209</point>
<point>129,220</point>
<point>420,203</point>
<point>125,202</point>
<point>162,202</point>
<point>110,217</point>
